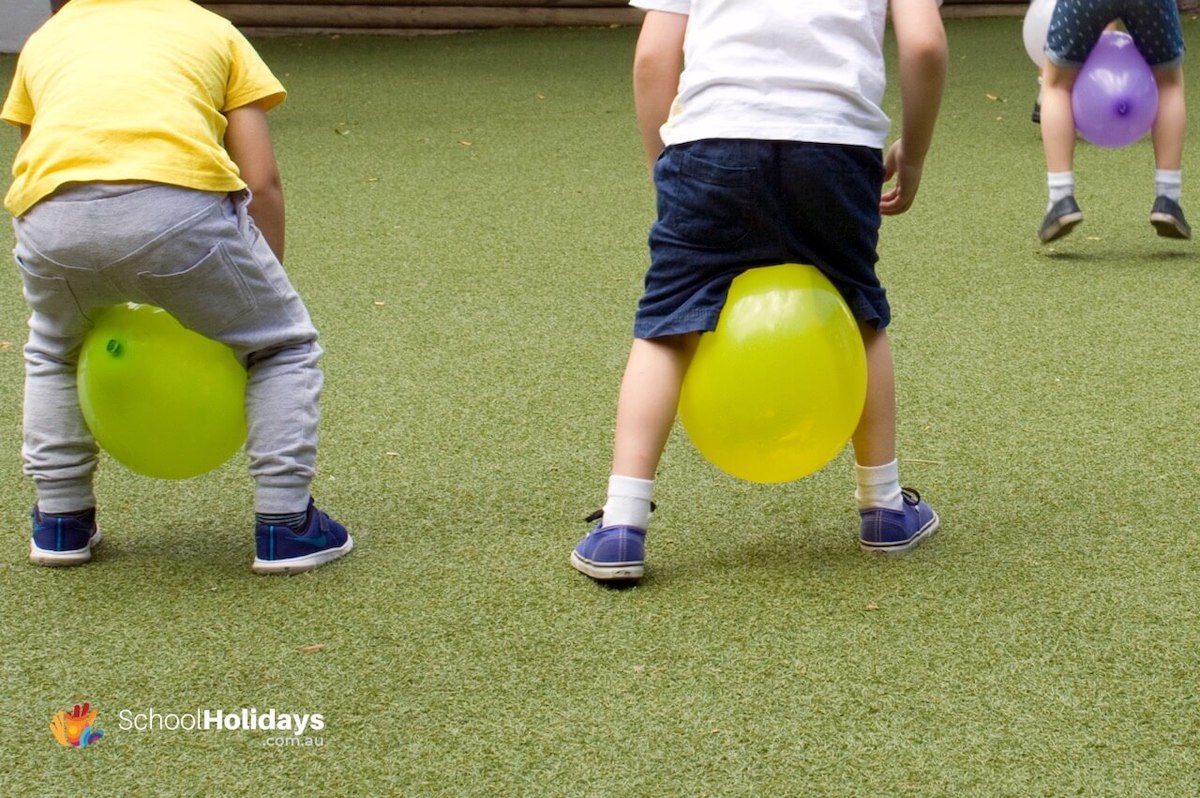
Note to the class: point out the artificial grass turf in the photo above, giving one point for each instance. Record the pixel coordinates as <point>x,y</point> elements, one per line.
<point>467,217</point>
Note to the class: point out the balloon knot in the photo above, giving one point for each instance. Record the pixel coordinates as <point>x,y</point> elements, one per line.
<point>113,347</point>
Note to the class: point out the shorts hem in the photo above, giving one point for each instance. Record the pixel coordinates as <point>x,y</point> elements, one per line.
<point>680,325</point>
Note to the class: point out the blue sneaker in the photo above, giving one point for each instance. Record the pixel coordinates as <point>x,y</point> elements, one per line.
<point>63,539</point>
<point>282,550</point>
<point>896,531</point>
<point>1167,218</point>
<point>611,553</point>
<point>1061,219</point>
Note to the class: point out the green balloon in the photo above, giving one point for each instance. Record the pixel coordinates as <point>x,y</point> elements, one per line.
<point>162,400</point>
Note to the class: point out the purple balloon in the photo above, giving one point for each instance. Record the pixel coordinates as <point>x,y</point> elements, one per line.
<point>1115,98</point>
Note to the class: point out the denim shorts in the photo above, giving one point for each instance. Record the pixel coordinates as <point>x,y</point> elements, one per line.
<point>1076,25</point>
<point>728,205</point>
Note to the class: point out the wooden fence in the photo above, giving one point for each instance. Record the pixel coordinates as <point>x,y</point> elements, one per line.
<point>383,16</point>
<point>417,15</point>
<point>391,15</point>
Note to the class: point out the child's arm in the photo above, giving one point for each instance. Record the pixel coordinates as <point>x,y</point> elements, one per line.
<point>657,62</point>
<point>923,53</point>
<point>248,141</point>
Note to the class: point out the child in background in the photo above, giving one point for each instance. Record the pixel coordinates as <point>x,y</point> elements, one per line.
<point>146,173</point>
<point>1075,28</point>
<point>767,149</point>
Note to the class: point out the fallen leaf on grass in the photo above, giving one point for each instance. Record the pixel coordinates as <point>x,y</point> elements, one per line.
<point>312,648</point>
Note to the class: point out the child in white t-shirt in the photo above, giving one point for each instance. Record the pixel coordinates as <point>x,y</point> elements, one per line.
<point>765,132</point>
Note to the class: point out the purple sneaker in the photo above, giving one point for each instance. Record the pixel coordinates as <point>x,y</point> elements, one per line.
<point>63,539</point>
<point>897,531</point>
<point>282,550</point>
<point>611,553</point>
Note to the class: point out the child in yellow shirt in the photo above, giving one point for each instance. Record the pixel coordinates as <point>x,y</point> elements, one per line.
<point>146,173</point>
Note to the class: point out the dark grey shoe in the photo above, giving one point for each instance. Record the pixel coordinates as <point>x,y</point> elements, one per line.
<point>1167,218</point>
<point>1060,219</point>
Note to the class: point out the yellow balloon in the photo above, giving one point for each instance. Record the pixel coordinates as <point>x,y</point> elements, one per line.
<point>776,391</point>
<point>161,399</point>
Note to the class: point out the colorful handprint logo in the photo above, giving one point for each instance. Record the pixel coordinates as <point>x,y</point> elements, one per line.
<point>76,728</point>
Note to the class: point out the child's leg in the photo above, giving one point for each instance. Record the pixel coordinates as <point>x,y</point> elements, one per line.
<point>1058,142</point>
<point>59,451</point>
<point>877,477</point>
<point>646,408</point>
<point>893,520</point>
<point>1170,126</point>
<point>1168,136</point>
<point>1171,123</point>
<point>1058,120</point>
<point>648,401</point>
<point>875,438</point>
<point>1156,30</point>
<point>239,294</point>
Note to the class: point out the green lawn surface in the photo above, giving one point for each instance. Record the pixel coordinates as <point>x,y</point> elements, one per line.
<point>467,223</point>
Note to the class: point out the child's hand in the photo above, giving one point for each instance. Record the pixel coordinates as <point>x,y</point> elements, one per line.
<point>899,198</point>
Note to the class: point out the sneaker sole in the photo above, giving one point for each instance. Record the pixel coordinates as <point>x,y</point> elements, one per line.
<point>1064,225</point>
<point>623,572</point>
<point>908,545</point>
<point>1166,226</point>
<point>64,559</point>
<point>298,565</point>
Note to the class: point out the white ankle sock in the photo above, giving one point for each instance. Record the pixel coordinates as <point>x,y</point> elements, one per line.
<point>1168,183</point>
<point>628,501</point>
<point>1061,184</point>
<point>878,486</point>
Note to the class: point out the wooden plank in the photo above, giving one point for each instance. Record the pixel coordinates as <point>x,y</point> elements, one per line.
<point>273,15</point>
<point>558,3</point>
<point>442,3</point>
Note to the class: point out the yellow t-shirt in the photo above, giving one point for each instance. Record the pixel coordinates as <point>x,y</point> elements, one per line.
<point>120,90</point>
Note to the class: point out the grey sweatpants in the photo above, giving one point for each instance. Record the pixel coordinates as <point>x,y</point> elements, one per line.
<point>198,256</point>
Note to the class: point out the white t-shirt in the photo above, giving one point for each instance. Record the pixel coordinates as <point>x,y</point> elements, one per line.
<point>780,70</point>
